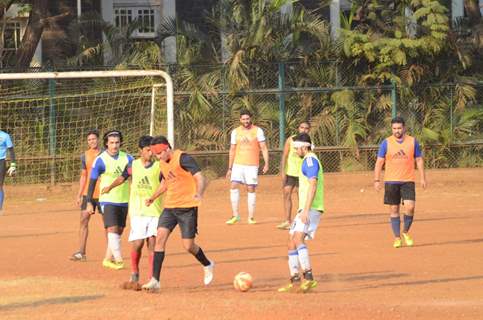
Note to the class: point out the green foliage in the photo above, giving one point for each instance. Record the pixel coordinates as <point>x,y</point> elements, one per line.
<point>383,40</point>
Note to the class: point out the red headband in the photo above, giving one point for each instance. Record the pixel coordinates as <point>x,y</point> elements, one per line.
<point>158,148</point>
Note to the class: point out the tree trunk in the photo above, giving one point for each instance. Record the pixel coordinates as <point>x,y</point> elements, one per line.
<point>4,6</point>
<point>473,11</point>
<point>33,33</point>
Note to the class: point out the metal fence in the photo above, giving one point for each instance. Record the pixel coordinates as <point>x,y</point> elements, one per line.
<point>348,121</point>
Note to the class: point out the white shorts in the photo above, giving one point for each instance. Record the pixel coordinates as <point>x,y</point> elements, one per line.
<point>307,228</point>
<point>244,174</point>
<point>143,227</point>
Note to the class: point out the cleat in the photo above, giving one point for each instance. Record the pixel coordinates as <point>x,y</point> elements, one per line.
<point>208,270</point>
<point>284,225</point>
<point>233,220</point>
<point>252,221</point>
<point>117,265</point>
<point>152,286</point>
<point>288,288</point>
<point>78,257</point>
<point>307,285</point>
<point>408,240</point>
<point>397,243</point>
<point>106,263</point>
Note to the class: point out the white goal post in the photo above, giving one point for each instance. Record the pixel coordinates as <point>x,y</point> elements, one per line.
<point>113,74</point>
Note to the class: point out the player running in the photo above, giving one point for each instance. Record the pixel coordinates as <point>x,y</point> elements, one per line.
<point>398,153</point>
<point>108,166</point>
<point>246,142</point>
<point>311,206</point>
<point>290,166</point>
<point>145,206</point>
<point>87,159</point>
<point>5,144</point>
<point>184,185</point>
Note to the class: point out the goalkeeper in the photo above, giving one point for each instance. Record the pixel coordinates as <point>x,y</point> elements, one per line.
<point>5,144</point>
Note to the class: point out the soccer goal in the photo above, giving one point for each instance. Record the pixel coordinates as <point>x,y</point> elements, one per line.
<point>48,114</point>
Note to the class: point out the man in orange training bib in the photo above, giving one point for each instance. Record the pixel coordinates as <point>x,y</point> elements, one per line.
<point>87,159</point>
<point>398,153</point>
<point>246,143</point>
<point>183,185</point>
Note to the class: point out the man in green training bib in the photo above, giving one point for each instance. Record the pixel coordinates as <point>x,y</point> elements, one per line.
<point>304,226</point>
<point>145,206</point>
<point>108,166</point>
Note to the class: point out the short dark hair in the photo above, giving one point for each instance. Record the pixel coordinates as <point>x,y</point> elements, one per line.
<point>160,140</point>
<point>245,112</point>
<point>144,141</point>
<point>306,122</point>
<point>94,132</point>
<point>303,137</point>
<point>398,120</point>
<point>112,133</point>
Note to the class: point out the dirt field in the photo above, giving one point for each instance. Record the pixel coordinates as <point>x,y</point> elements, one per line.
<point>360,275</point>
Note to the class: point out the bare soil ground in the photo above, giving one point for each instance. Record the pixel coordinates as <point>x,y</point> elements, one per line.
<point>360,275</point>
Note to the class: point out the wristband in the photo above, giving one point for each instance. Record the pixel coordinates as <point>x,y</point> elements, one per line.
<point>13,164</point>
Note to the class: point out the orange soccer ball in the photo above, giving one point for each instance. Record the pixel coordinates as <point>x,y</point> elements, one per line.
<point>243,281</point>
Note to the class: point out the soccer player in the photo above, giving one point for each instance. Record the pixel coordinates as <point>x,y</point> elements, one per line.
<point>108,166</point>
<point>5,144</point>
<point>290,166</point>
<point>145,206</point>
<point>398,152</point>
<point>246,142</point>
<point>311,206</point>
<point>184,185</point>
<point>87,159</point>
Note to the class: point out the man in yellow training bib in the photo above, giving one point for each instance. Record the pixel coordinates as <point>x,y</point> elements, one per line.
<point>290,166</point>
<point>145,206</point>
<point>107,167</point>
<point>244,158</point>
<point>399,152</point>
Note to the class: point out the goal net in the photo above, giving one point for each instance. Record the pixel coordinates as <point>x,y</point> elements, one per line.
<point>48,115</point>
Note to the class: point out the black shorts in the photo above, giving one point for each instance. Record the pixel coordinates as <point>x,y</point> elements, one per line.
<point>187,218</point>
<point>291,181</point>
<point>3,171</point>
<point>114,216</point>
<point>394,194</point>
<point>95,204</point>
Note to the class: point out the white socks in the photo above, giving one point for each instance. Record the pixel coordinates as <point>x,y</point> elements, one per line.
<point>304,259</point>
<point>235,200</point>
<point>293,262</point>
<point>252,199</point>
<point>114,243</point>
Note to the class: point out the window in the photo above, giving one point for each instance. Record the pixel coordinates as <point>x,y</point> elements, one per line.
<point>10,41</point>
<point>123,17</point>
<point>145,16</point>
<point>12,36</point>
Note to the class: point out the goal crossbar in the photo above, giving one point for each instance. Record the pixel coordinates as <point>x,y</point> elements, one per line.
<point>109,74</point>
